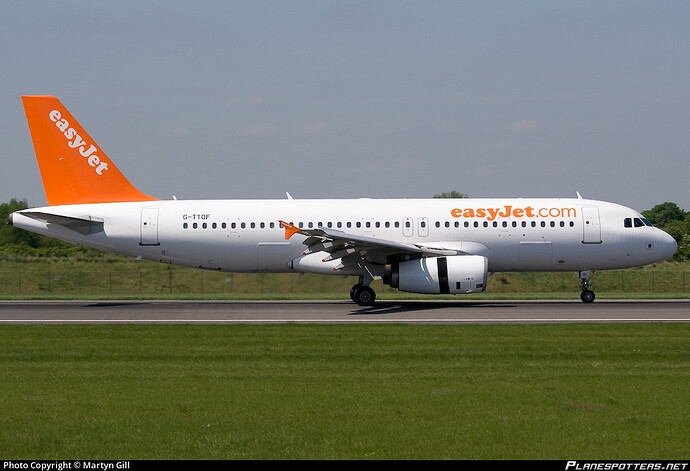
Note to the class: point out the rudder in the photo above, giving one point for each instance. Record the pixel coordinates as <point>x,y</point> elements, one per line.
<point>73,168</point>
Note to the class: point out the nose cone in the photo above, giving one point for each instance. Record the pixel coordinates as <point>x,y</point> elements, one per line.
<point>666,245</point>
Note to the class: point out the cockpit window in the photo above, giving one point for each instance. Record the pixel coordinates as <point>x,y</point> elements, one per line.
<point>637,222</point>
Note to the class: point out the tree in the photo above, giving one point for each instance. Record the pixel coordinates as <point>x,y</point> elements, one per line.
<point>675,221</point>
<point>661,214</point>
<point>451,194</point>
<point>17,241</point>
<point>12,235</point>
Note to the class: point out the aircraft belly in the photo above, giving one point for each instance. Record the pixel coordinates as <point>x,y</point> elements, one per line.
<point>251,255</point>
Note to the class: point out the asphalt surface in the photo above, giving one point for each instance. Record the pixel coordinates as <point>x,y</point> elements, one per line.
<point>332,312</point>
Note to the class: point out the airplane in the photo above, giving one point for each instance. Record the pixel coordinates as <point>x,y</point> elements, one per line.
<point>430,246</point>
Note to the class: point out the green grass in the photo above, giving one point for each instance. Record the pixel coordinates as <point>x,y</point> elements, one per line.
<point>589,391</point>
<point>117,277</point>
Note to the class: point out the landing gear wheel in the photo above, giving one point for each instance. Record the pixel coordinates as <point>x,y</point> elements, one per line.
<point>587,296</point>
<point>363,295</point>
<point>353,290</point>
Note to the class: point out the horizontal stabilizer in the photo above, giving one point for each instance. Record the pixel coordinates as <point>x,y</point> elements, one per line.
<point>84,225</point>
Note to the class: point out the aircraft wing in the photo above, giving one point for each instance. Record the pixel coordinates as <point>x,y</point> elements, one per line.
<point>339,244</point>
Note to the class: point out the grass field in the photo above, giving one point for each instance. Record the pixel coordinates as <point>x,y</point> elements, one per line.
<point>587,391</point>
<point>111,276</point>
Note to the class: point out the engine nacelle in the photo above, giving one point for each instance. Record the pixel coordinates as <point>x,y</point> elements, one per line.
<point>439,275</point>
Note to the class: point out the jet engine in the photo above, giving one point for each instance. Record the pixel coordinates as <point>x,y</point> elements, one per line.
<point>457,274</point>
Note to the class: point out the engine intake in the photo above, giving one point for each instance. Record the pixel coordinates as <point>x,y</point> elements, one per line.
<point>439,275</point>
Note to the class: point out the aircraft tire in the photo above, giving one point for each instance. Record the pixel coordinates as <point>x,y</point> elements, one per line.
<point>353,290</point>
<point>587,296</point>
<point>364,296</point>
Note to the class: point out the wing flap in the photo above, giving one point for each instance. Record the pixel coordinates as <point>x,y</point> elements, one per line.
<point>340,244</point>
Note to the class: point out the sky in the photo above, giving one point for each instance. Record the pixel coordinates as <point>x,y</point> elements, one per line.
<point>348,99</point>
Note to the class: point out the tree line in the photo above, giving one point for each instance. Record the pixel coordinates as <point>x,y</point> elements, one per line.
<point>667,216</point>
<point>18,242</point>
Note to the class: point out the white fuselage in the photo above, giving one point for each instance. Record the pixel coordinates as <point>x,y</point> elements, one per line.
<point>245,235</point>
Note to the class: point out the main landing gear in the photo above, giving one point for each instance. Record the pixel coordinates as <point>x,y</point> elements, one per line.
<point>587,295</point>
<point>362,294</point>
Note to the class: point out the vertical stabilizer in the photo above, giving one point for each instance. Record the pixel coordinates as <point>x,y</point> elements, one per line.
<point>73,168</point>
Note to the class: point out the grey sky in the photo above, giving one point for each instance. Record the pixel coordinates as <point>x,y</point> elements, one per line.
<point>250,99</point>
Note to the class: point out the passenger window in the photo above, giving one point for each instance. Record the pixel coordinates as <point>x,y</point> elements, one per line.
<point>185,225</point>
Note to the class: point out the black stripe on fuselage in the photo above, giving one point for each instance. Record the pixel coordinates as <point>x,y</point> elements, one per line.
<point>443,286</point>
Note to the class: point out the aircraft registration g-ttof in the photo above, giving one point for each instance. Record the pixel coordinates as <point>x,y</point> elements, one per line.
<point>445,246</point>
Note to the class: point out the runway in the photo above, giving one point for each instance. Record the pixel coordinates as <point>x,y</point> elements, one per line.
<point>343,312</point>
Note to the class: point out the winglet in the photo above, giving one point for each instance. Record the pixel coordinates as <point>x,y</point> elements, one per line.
<point>73,168</point>
<point>290,229</point>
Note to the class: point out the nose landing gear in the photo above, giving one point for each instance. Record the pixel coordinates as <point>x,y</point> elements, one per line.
<point>587,295</point>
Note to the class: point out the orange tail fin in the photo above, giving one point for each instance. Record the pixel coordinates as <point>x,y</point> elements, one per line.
<point>74,170</point>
